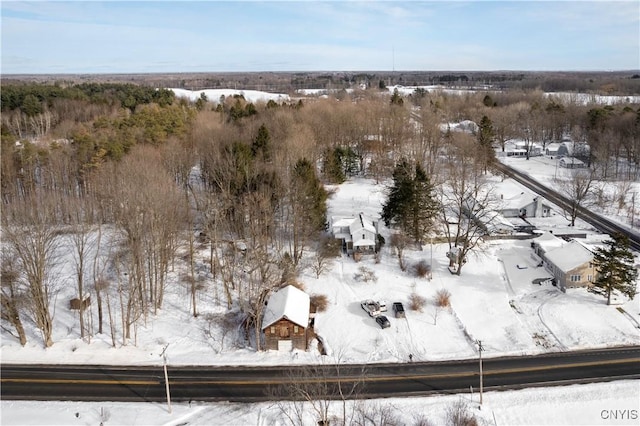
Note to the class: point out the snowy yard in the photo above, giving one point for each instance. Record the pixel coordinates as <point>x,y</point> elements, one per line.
<point>494,300</point>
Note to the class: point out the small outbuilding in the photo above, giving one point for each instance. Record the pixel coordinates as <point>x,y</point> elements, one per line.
<point>286,319</point>
<point>571,163</point>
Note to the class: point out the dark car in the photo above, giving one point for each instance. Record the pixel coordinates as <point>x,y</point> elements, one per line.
<point>382,321</point>
<point>398,310</point>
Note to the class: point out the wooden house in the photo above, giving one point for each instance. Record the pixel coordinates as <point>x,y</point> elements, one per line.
<point>286,319</point>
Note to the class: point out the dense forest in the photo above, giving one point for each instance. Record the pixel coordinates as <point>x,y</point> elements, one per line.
<point>152,176</point>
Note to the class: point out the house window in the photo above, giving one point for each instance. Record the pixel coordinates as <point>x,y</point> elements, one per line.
<point>273,330</point>
<point>295,329</point>
<point>363,236</point>
<point>576,278</point>
<point>590,278</point>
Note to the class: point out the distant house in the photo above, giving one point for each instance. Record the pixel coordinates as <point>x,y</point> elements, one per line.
<point>570,263</point>
<point>518,148</point>
<point>573,149</point>
<point>571,163</point>
<point>357,234</point>
<point>286,319</point>
<point>551,150</point>
<point>525,205</point>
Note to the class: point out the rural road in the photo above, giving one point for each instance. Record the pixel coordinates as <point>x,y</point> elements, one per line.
<point>246,384</point>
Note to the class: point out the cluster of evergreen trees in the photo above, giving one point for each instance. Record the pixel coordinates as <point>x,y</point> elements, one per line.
<point>411,204</point>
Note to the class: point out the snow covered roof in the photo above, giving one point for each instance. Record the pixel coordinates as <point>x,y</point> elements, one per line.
<point>571,160</point>
<point>363,242</point>
<point>569,256</point>
<point>465,126</point>
<point>362,222</point>
<point>517,201</point>
<point>290,303</point>
<point>552,147</point>
<point>548,242</point>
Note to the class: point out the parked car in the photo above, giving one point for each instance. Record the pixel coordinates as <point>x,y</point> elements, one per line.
<point>398,310</point>
<point>383,321</point>
<point>371,307</point>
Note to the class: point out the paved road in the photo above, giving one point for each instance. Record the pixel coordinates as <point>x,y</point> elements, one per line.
<point>601,223</point>
<point>103,383</point>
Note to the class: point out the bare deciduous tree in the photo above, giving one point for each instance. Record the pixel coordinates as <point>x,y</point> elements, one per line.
<point>327,250</point>
<point>468,206</point>
<point>577,187</point>
<point>399,243</point>
<point>12,295</point>
<point>29,227</point>
<point>313,388</point>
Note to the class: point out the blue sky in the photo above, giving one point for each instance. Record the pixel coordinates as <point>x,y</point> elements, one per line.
<point>216,36</point>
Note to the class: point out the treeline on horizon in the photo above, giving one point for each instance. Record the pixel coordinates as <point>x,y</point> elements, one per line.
<point>591,82</point>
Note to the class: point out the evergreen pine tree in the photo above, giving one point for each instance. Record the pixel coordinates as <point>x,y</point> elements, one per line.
<point>261,146</point>
<point>485,140</point>
<point>311,196</point>
<point>425,206</point>
<point>411,205</point>
<point>332,166</point>
<point>614,264</point>
<point>396,99</point>
<point>395,210</point>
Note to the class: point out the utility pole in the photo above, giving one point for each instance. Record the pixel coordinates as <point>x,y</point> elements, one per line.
<point>480,349</point>
<point>166,377</point>
<point>633,209</point>
<point>431,262</point>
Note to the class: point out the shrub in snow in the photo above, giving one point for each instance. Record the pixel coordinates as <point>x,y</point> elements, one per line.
<point>458,414</point>
<point>365,274</point>
<point>422,269</point>
<point>416,302</point>
<point>443,298</point>
<point>320,301</point>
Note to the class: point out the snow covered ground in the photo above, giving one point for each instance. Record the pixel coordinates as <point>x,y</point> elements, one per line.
<point>213,95</point>
<point>494,300</point>
<point>613,403</point>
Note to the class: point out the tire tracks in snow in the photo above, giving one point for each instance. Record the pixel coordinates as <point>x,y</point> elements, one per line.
<point>545,325</point>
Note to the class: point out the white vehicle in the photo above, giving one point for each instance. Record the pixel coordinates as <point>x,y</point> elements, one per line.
<point>371,307</point>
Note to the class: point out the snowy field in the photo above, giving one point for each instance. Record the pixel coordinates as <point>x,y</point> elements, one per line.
<point>213,95</point>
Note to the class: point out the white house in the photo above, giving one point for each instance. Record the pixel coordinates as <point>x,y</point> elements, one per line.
<point>525,205</point>
<point>518,148</point>
<point>357,234</point>
<point>551,150</point>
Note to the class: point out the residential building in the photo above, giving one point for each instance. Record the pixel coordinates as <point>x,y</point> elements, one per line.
<point>357,234</point>
<point>286,319</point>
<point>570,262</point>
<point>524,205</point>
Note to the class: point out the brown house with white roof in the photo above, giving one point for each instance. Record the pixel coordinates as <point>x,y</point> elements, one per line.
<point>286,319</point>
